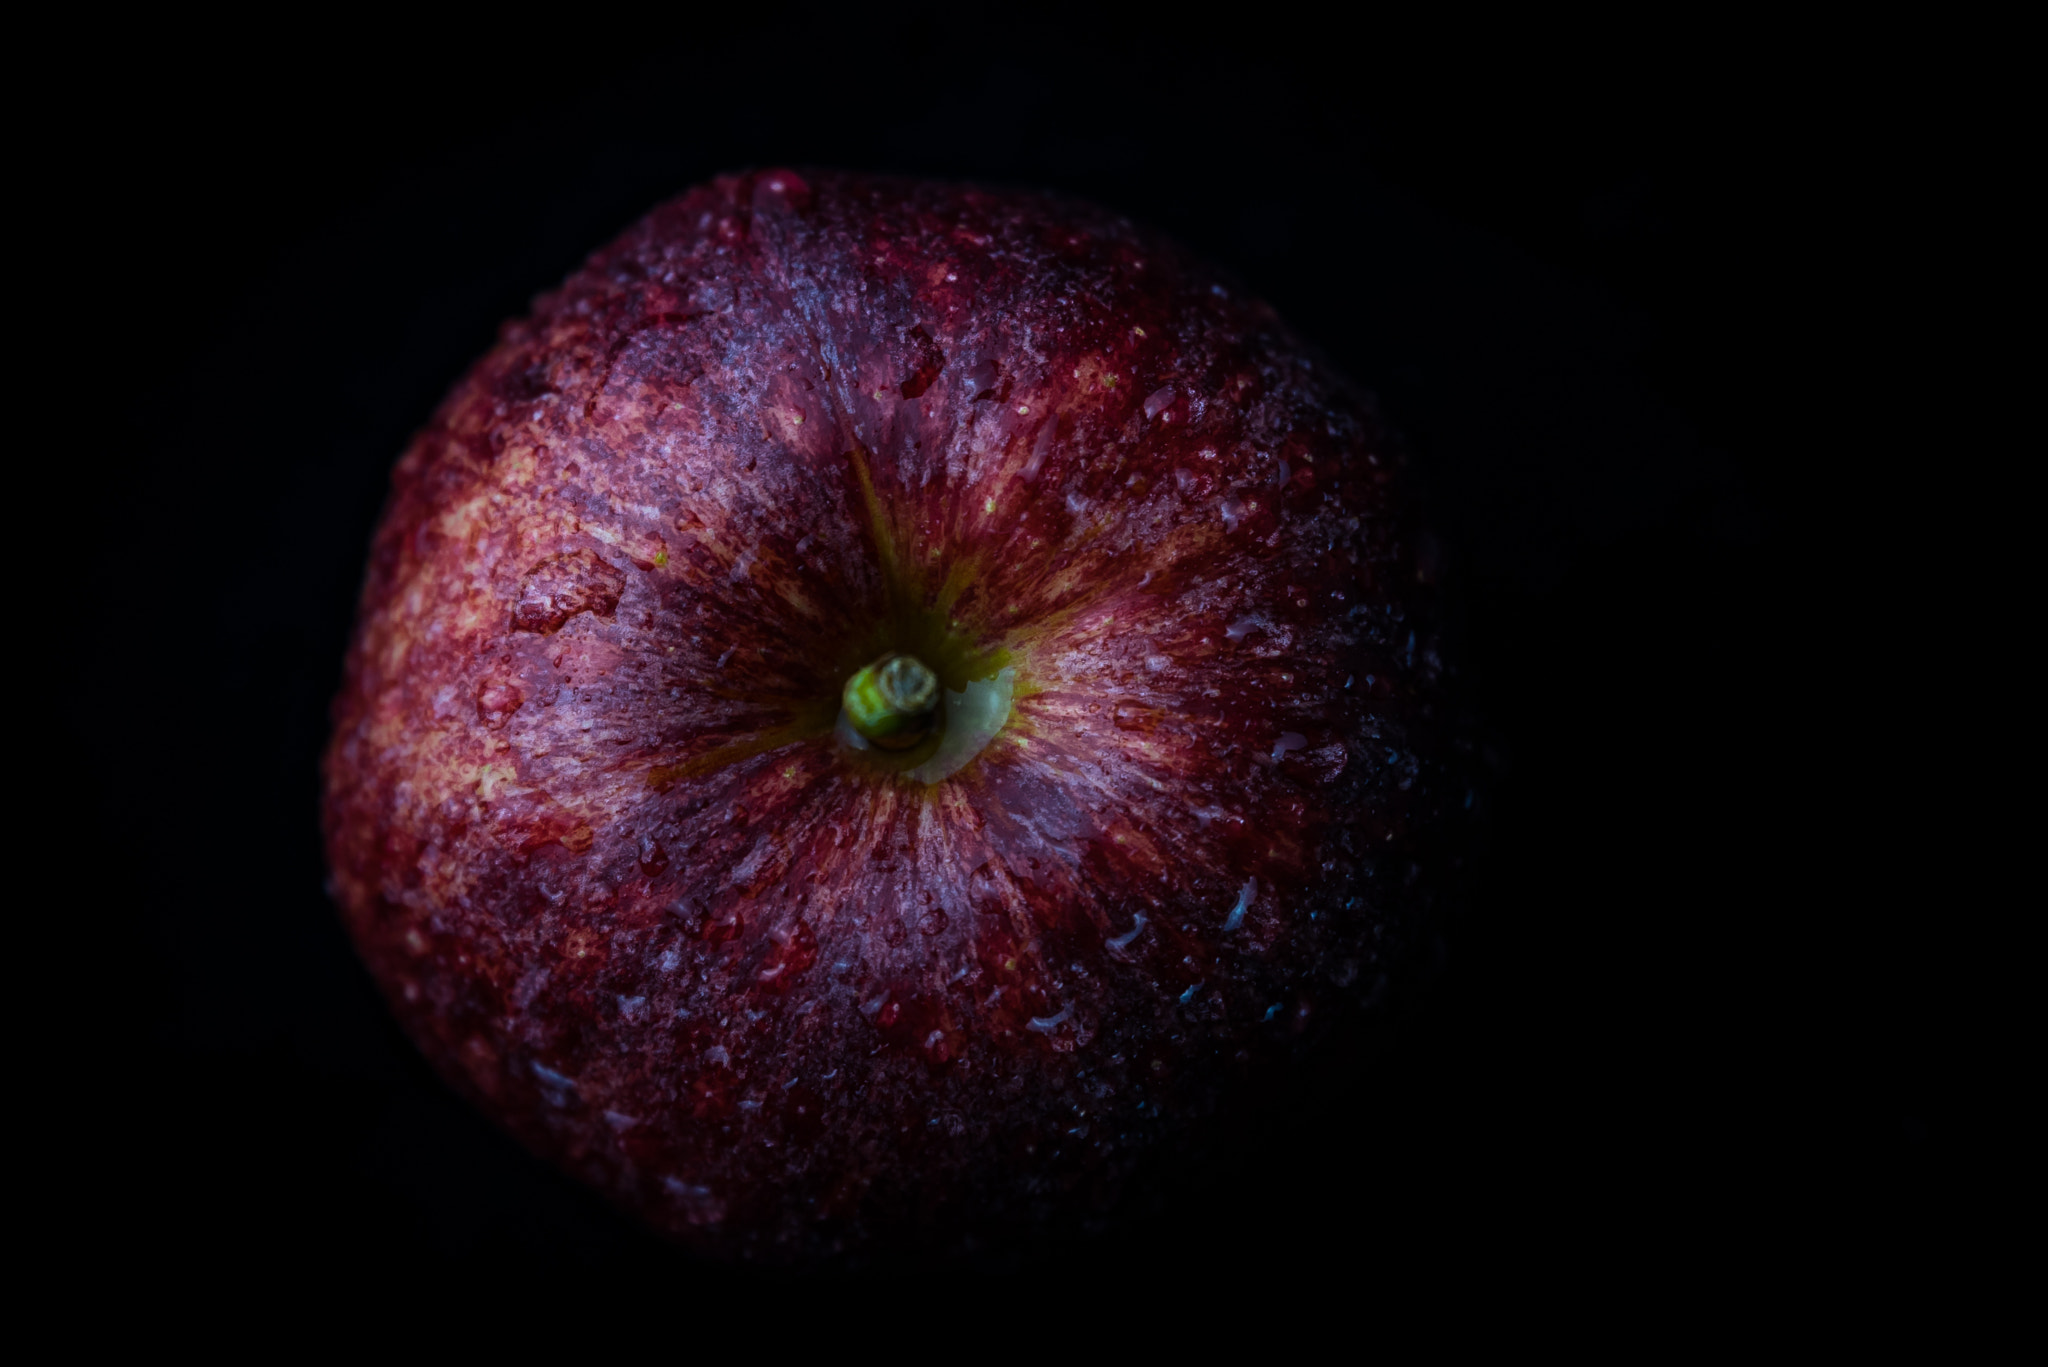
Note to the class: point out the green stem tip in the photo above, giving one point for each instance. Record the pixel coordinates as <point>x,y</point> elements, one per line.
<point>893,702</point>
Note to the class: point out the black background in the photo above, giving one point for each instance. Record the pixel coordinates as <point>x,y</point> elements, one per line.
<point>1563,273</point>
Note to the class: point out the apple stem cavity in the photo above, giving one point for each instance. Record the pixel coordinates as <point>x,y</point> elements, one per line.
<point>894,702</point>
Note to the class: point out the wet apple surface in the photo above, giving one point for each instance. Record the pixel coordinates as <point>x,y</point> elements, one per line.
<point>667,858</point>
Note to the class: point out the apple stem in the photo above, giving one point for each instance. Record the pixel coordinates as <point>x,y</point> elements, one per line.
<point>893,702</point>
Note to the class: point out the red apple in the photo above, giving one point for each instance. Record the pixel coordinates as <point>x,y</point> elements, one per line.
<point>631,874</point>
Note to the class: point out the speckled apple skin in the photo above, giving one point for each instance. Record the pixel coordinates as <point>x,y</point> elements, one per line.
<point>630,894</point>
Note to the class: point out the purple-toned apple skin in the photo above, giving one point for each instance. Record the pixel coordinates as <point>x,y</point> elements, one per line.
<point>589,822</point>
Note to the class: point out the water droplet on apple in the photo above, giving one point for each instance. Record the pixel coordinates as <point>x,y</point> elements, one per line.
<point>555,1088</point>
<point>781,192</point>
<point>1131,715</point>
<point>1041,446</point>
<point>496,701</point>
<point>561,586</point>
<point>973,719</point>
<point>980,380</point>
<point>1045,1025</point>
<point>928,362</point>
<point>1157,401</point>
<point>1246,895</point>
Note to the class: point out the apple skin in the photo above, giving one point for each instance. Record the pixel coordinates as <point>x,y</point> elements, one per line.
<point>592,829</point>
